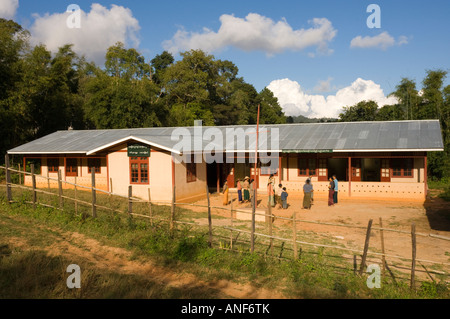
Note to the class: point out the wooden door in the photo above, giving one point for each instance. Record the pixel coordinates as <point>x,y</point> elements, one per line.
<point>385,173</point>
<point>323,169</point>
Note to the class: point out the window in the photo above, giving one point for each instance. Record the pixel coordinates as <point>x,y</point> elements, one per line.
<point>71,167</point>
<point>307,166</point>
<point>139,170</point>
<point>96,163</point>
<point>402,167</point>
<point>53,165</point>
<point>191,171</point>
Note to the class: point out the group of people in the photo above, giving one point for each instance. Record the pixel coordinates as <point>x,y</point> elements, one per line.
<point>308,192</point>
<point>245,191</point>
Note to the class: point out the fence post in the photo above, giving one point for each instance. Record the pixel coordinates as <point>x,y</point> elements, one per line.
<point>413,265</point>
<point>231,224</point>
<point>270,230</point>
<point>366,248</point>
<point>130,202</point>
<point>383,257</point>
<point>48,179</point>
<point>94,195</point>
<point>60,190</point>
<point>209,218</point>
<point>252,247</point>
<point>150,207</point>
<point>172,210</point>
<point>294,234</point>
<point>8,179</point>
<point>33,183</point>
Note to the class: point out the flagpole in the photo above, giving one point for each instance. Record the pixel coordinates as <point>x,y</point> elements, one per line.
<point>256,153</point>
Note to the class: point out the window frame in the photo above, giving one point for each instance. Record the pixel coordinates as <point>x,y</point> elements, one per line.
<point>139,161</point>
<point>307,169</point>
<point>70,172</point>
<point>53,166</point>
<point>98,170</point>
<point>407,165</point>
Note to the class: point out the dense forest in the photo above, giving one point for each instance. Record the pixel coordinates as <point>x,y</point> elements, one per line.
<point>41,92</point>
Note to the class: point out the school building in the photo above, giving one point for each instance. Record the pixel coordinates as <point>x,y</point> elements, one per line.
<point>378,160</point>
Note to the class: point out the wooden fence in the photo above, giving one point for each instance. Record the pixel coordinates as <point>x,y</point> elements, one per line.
<point>269,218</point>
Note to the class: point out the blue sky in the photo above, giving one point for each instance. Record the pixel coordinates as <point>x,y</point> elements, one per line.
<point>317,76</point>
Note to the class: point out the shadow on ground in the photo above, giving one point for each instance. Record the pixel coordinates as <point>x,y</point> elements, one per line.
<point>438,213</point>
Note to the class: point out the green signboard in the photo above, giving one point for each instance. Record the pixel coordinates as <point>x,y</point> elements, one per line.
<point>138,150</point>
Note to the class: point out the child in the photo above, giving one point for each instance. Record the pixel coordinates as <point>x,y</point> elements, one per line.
<point>239,190</point>
<point>225,193</point>
<point>284,196</point>
<point>278,195</point>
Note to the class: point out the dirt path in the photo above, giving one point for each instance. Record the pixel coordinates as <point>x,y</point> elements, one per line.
<point>431,217</point>
<point>75,246</point>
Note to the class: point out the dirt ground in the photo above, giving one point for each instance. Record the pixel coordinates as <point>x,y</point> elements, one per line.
<point>76,246</point>
<point>431,217</point>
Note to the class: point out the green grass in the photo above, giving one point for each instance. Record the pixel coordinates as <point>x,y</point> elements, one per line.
<point>318,273</point>
<point>441,188</point>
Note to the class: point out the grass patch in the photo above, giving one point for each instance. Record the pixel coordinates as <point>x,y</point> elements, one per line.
<point>318,273</point>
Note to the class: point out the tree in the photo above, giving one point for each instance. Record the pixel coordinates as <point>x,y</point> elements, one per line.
<point>13,44</point>
<point>362,111</point>
<point>409,100</point>
<point>270,111</point>
<point>122,95</point>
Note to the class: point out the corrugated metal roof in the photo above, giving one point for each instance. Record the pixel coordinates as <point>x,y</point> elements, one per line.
<point>322,137</point>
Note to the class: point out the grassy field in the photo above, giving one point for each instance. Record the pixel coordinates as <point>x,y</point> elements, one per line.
<point>37,245</point>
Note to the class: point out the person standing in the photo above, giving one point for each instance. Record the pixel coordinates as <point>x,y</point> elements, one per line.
<point>225,193</point>
<point>335,194</point>
<point>246,187</point>
<point>239,190</point>
<point>307,194</point>
<point>330,192</point>
<point>278,195</point>
<point>284,196</point>
<point>312,193</point>
<point>271,193</point>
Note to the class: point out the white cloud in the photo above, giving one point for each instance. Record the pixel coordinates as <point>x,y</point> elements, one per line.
<point>8,8</point>
<point>382,41</point>
<point>255,33</point>
<point>99,29</point>
<point>295,101</point>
